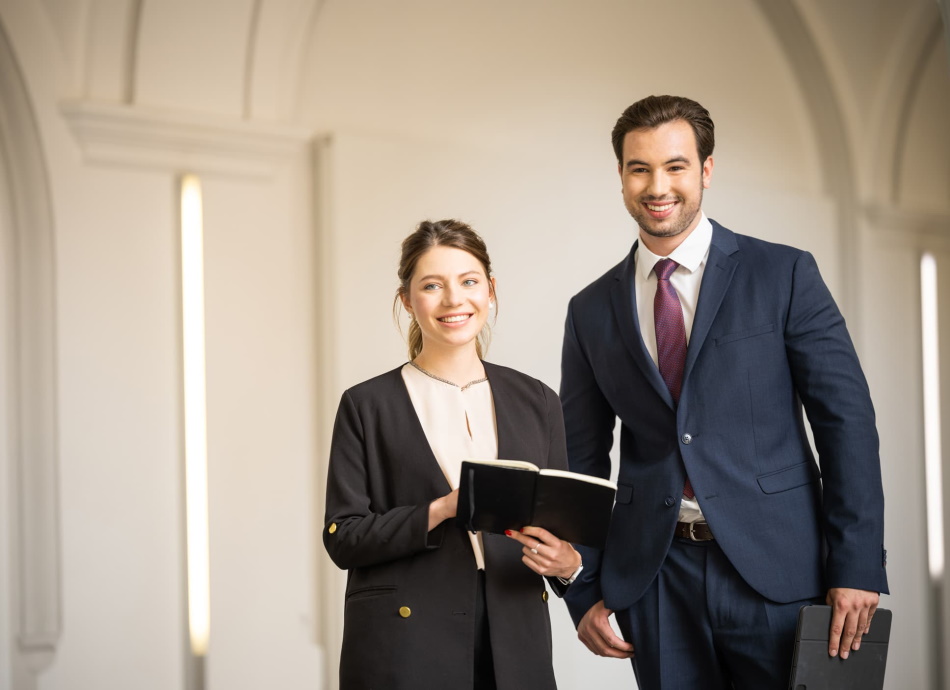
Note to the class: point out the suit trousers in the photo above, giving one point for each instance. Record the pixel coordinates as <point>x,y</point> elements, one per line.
<point>699,625</point>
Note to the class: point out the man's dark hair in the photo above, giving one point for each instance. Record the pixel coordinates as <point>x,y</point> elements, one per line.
<point>653,111</point>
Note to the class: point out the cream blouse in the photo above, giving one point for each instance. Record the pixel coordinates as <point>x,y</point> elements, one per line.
<point>459,423</point>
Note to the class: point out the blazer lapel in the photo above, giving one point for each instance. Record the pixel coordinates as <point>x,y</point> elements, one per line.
<point>424,456</point>
<point>624,299</point>
<point>505,421</point>
<point>717,277</point>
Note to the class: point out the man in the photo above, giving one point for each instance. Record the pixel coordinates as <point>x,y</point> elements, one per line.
<point>708,345</point>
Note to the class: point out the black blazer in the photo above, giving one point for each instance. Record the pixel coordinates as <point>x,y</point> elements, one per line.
<point>410,594</point>
<point>768,343</point>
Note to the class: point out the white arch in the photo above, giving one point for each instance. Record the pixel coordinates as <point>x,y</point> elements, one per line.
<point>834,148</point>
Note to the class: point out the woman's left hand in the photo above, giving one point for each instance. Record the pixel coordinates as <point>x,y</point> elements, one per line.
<point>545,554</point>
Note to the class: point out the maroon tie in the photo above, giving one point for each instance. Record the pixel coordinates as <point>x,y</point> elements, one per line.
<point>670,335</point>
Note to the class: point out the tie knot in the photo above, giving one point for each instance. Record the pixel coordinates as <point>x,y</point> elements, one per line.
<point>664,268</point>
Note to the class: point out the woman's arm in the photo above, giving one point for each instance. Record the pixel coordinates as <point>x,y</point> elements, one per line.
<point>354,534</point>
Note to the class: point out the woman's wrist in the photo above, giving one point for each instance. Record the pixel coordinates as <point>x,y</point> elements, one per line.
<point>571,571</point>
<point>438,512</point>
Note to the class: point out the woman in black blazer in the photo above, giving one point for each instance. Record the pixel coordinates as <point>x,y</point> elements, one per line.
<point>429,605</point>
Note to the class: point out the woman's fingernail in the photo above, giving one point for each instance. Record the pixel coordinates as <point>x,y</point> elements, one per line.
<point>508,532</point>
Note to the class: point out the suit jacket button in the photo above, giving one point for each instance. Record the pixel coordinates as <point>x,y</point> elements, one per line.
<point>405,611</point>
<point>332,528</point>
<point>544,595</point>
<point>687,439</point>
<point>669,501</point>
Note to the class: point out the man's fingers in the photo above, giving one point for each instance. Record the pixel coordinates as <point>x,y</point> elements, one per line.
<point>603,647</point>
<point>871,611</point>
<point>859,633</point>
<point>850,635</point>
<point>599,637</point>
<point>837,628</point>
<point>852,610</point>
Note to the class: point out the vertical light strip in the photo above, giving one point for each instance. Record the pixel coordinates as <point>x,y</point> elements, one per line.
<point>196,447</point>
<point>932,441</point>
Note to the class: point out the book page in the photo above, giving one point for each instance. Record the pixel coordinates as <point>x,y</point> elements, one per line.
<point>580,477</point>
<point>513,464</point>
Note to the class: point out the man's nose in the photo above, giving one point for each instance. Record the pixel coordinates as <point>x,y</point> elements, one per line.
<point>659,184</point>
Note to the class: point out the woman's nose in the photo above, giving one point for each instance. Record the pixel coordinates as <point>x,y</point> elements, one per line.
<point>451,295</point>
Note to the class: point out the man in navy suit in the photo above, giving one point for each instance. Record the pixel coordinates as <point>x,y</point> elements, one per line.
<point>711,347</point>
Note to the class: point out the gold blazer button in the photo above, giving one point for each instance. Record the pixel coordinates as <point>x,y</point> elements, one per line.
<point>332,528</point>
<point>405,611</point>
<point>544,595</point>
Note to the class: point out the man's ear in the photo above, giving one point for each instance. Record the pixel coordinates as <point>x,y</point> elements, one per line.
<point>707,172</point>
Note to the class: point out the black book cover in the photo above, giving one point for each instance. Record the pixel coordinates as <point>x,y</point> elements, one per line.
<point>498,495</point>
<point>813,669</point>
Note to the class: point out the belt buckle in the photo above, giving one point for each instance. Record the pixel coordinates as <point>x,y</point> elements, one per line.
<point>692,532</point>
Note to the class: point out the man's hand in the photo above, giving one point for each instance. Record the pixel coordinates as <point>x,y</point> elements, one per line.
<point>851,613</point>
<point>595,631</point>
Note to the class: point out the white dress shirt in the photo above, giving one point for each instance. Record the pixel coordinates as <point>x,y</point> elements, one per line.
<point>691,256</point>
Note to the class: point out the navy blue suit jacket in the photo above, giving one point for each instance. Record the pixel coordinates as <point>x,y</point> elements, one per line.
<point>767,342</point>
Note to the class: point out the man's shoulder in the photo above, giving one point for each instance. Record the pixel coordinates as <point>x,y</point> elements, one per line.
<point>726,240</point>
<point>598,288</point>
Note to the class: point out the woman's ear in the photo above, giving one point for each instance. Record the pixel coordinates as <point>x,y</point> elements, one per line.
<point>405,303</point>
<point>491,291</point>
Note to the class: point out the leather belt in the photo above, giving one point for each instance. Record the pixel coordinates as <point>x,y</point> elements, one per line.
<point>694,531</point>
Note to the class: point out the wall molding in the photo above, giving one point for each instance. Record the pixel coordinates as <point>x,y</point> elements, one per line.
<point>151,138</point>
<point>894,225</point>
<point>34,508</point>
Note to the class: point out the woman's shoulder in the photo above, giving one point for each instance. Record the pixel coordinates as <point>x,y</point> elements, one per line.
<point>512,378</point>
<point>376,386</point>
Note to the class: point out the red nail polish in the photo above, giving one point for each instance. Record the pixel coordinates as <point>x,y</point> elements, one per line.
<point>508,532</point>
<point>521,530</point>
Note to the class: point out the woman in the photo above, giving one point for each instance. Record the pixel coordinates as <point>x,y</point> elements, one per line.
<point>429,605</point>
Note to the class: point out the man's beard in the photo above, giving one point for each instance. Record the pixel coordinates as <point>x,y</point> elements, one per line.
<point>658,228</point>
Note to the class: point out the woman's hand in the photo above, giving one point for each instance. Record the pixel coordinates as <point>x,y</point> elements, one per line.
<point>545,554</point>
<point>441,509</point>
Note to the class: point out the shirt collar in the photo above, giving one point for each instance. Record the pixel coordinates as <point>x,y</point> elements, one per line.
<point>690,254</point>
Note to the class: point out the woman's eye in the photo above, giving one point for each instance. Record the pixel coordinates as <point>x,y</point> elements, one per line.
<point>470,282</point>
<point>430,286</point>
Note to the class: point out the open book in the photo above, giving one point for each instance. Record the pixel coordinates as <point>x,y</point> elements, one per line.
<point>495,495</point>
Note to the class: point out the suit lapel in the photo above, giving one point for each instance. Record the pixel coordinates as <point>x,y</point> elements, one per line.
<point>717,277</point>
<point>624,299</point>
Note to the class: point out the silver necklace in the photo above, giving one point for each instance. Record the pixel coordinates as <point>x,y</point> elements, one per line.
<point>439,378</point>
